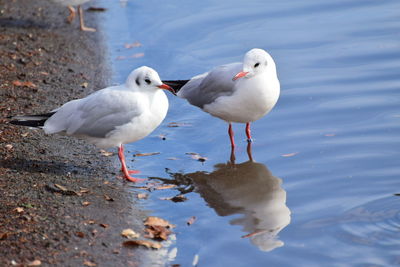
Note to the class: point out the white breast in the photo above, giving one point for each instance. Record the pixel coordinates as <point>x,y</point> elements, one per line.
<point>253,98</point>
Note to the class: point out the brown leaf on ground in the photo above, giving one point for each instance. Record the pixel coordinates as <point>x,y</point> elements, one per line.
<point>145,154</point>
<point>4,235</point>
<point>191,220</point>
<point>132,45</point>
<point>145,243</point>
<point>290,154</point>
<point>86,203</point>
<point>157,232</point>
<point>89,263</point>
<point>142,196</point>
<point>80,234</point>
<point>104,225</point>
<point>84,190</point>
<point>24,84</point>
<point>19,209</point>
<point>35,263</point>
<point>62,188</point>
<point>106,153</point>
<point>129,233</point>
<point>156,221</point>
<point>8,147</point>
<point>108,198</point>
<point>162,187</point>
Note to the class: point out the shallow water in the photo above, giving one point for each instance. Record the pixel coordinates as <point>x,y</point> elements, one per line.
<point>321,189</point>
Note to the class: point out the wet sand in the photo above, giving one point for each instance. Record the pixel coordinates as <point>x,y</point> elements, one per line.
<point>45,62</point>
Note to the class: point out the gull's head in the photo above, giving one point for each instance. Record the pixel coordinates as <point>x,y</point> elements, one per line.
<point>146,79</point>
<point>255,61</point>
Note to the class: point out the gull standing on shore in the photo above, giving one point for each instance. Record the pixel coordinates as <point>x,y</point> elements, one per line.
<point>110,117</point>
<point>72,12</point>
<point>236,92</point>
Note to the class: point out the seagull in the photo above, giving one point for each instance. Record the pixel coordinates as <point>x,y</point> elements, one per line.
<point>72,12</point>
<point>236,92</point>
<point>112,116</point>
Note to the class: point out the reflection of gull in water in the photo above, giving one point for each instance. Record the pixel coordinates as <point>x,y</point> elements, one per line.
<point>249,189</point>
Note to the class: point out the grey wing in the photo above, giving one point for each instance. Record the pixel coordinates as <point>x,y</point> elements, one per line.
<point>96,115</point>
<point>106,112</point>
<point>206,88</point>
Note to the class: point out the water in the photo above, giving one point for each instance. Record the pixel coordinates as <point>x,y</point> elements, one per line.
<point>321,190</point>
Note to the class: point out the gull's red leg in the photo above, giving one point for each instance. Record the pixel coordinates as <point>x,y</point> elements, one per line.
<point>248,132</point>
<point>231,135</point>
<point>124,169</point>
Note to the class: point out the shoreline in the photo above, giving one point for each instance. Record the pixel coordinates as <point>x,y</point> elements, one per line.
<point>46,62</point>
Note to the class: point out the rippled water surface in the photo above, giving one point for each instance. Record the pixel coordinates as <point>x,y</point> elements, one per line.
<point>321,190</point>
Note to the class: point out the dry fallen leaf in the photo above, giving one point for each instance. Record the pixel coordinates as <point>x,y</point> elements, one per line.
<point>131,45</point>
<point>106,153</point>
<point>108,198</point>
<point>84,190</point>
<point>62,188</point>
<point>162,187</point>
<point>137,55</point>
<point>145,243</point>
<point>157,232</point>
<point>89,263</point>
<point>25,134</point>
<point>85,84</point>
<point>178,198</point>
<point>19,209</point>
<point>35,263</point>
<point>24,84</point>
<point>178,124</point>
<point>8,147</point>
<point>156,221</point>
<point>290,154</point>
<point>86,203</point>
<point>142,196</point>
<point>191,220</point>
<point>146,154</point>
<point>104,225</point>
<point>80,234</point>
<point>129,233</point>
<point>196,156</point>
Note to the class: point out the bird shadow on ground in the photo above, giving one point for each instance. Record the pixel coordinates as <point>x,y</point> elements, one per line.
<point>42,166</point>
<point>22,23</point>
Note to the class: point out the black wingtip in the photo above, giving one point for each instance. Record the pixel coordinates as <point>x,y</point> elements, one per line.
<point>31,120</point>
<point>176,85</point>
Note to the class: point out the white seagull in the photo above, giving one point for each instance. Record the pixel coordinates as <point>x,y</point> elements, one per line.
<point>112,116</point>
<point>236,92</point>
<point>72,12</point>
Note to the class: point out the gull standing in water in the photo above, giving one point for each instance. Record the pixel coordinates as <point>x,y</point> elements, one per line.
<point>236,92</point>
<point>112,116</point>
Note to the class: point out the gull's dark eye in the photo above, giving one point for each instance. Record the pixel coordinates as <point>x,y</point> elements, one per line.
<point>256,65</point>
<point>147,81</point>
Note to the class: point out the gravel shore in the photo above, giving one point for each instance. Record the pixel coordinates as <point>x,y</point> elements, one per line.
<point>61,202</point>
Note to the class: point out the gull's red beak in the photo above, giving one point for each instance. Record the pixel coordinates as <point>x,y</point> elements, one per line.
<point>240,75</point>
<point>167,87</point>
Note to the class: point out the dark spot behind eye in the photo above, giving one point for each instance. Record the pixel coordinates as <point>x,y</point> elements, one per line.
<point>147,81</point>
<point>137,81</point>
<point>256,65</point>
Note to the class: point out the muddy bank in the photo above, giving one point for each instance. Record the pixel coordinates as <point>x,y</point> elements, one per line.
<point>61,202</point>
